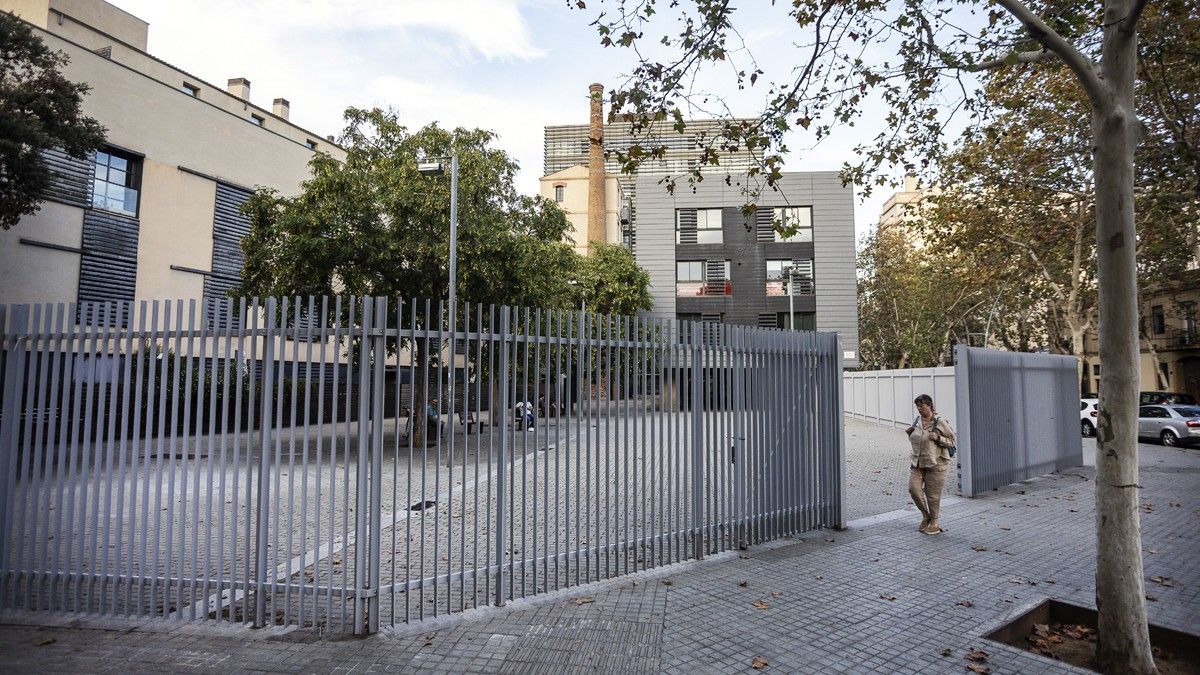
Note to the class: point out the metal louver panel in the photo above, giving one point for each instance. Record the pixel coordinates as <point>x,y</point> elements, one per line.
<point>108,265</point>
<point>70,178</point>
<point>687,226</point>
<point>763,219</point>
<point>768,321</point>
<point>230,226</point>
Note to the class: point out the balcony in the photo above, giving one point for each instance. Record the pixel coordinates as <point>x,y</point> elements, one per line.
<point>779,288</point>
<point>1176,338</point>
<point>692,289</point>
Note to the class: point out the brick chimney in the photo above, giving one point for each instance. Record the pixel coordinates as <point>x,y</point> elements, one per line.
<point>239,87</point>
<point>596,230</point>
<point>281,107</point>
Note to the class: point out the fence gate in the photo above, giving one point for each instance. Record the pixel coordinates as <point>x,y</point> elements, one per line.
<point>349,463</point>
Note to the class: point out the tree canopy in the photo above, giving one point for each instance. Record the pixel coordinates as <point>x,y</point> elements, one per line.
<point>610,281</point>
<point>374,225</point>
<point>40,109</point>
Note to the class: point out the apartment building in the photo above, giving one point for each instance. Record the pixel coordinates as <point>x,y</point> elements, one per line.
<point>593,147</point>
<point>709,260</point>
<point>155,213</point>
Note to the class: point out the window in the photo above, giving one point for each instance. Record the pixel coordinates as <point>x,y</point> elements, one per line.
<point>1158,320</point>
<point>1188,310</point>
<point>257,119</point>
<point>559,193</point>
<point>804,320</point>
<point>689,270</point>
<point>1096,369</point>
<point>190,89</point>
<point>799,217</point>
<point>116,181</point>
<point>702,277</point>
<point>708,226</point>
<point>802,272</point>
<point>312,145</point>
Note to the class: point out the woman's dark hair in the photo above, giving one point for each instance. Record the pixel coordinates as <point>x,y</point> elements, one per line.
<point>923,398</point>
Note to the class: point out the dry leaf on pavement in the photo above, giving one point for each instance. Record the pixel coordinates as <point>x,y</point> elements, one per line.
<point>759,663</point>
<point>889,598</point>
<point>760,604</point>
<point>583,601</point>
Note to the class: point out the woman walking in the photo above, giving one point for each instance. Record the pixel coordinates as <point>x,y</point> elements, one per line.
<point>931,438</point>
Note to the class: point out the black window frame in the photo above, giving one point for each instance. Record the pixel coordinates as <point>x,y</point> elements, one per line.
<point>190,89</point>
<point>258,120</point>
<point>1158,320</point>
<point>132,181</point>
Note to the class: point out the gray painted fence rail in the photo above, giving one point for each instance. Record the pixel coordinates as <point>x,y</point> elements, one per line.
<point>254,461</point>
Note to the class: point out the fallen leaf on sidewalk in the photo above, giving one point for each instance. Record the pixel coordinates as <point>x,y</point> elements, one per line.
<point>964,603</point>
<point>743,584</point>
<point>979,549</point>
<point>583,601</point>
<point>760,604</point>
<point>978,668</point>
<point>743,556</point>
<point>46,641</point>
<point>776,594</point>
<point>889,598</point>
<point>820,576</point>
<point>668,582</point>
<point>946,652</point>
<point>1005,528</point>
<point>1163,581</point>
<point>759,663</point>
<point>1152,551</point>
<point>1152,598</point>
<point>976,655</point>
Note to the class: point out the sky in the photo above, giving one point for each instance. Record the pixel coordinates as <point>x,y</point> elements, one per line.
<point>511,66</point>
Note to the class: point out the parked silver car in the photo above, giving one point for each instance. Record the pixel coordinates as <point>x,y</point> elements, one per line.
<point>1170,424</point>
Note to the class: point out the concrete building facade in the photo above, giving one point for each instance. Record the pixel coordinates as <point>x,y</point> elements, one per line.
<point>571,190</point>
<point>1170,339</point>
<point>570,145</point>
<point>153,214</point>
<point>710,261</point>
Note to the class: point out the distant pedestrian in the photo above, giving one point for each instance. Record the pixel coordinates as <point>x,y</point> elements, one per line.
<point>932,440</point>
<point>525,415</point>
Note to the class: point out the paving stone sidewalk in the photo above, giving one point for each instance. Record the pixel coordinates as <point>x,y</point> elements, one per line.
<point>876,598</point>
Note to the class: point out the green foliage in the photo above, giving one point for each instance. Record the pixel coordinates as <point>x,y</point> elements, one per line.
<point>611,282</point>
<point>39,110</point>
<point>373,225</point>
<point>915,300</point>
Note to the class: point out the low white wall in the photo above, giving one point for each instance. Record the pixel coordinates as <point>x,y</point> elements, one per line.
<point>886,396</point>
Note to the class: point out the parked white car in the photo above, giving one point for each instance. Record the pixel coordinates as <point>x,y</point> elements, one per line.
<point>1089,410</point>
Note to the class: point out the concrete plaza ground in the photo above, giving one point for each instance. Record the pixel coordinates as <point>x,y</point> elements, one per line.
<point>877,597</point>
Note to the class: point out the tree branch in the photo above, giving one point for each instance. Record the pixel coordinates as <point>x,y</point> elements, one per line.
<point>952,60</point>
<point>1046,36</point>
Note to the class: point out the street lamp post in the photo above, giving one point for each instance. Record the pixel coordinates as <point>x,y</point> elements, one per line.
<point>436,167</point>
<point>791,282</point>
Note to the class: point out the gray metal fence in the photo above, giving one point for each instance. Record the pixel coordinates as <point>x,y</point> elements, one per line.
<point>347,463</point>
<point>1018,416</point>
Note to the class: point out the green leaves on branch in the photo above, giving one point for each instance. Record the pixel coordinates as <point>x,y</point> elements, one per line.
<point>40,110</point>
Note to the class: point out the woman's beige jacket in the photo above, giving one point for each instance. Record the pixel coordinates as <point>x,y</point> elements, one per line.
<point>926,453</point>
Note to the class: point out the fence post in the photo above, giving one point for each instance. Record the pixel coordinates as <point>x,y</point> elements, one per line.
<point>362,519</point>
<point>375,511</point>
<point>502,455</point>
<point>16,343</point>
<point>264,466</point>
<point>839,430</point>
<point>962,404</point>
<point>697,442</point>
